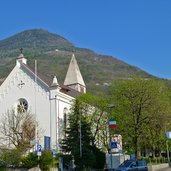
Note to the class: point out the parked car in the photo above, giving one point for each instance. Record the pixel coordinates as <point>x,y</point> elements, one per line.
<point>133,165</point>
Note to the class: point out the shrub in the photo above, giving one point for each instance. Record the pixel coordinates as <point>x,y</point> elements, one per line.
<point>12,157</point>
<point>45,160</point>
<point>31,160</point>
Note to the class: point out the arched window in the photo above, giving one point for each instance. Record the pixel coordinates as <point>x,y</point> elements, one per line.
<point>65,118</point>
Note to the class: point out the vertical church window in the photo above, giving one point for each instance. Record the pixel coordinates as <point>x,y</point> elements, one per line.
<point>65,120</point>
<point>22,106</point>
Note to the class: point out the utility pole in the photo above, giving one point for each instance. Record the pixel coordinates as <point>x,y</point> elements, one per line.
<point>110,149</point>
<point>168,135</point>
<point>80,136</point>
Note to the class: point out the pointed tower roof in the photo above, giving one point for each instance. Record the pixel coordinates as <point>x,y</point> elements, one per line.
<point>73,75</point>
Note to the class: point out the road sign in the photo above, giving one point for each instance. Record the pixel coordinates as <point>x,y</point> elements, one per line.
<point>54,153</point>
<point>168,135</point>
<point>39,150</point>
<point>114,145</point>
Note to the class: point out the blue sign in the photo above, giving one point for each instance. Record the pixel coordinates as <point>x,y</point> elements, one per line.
<point>54,153</point>
<point>168,135</point>
<point>47,143</point>
<point>39,148</point>
<point>132,156</point>
<point>114,145</point>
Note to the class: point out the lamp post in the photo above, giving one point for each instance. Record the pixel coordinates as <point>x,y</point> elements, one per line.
<point>167,146</point>
<point>110,149</point>
<point>80,136</point>
<point>168,136</point>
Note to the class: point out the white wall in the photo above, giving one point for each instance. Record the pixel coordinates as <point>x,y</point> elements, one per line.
<point>48,113</point>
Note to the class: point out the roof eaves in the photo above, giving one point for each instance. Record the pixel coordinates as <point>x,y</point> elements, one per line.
<point>38,75</point>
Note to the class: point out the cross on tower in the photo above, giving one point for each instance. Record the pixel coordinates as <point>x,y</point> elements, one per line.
<point>20,85</point>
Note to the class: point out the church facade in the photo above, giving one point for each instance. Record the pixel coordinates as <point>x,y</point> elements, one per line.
<point>50,102</point>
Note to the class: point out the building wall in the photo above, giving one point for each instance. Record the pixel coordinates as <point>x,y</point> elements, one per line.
<point>47,105</point>
<point>59,102</point>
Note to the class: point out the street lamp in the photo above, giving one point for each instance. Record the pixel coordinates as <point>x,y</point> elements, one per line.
<point>167,146</point>
<point>111,106</point>
<point>80,136</point>
<point>168,136</point>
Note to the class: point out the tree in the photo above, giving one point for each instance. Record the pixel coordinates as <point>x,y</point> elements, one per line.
<point>83,157</point>
<point>98,118</point>
<point>17,129</point>
<point>142,107</point>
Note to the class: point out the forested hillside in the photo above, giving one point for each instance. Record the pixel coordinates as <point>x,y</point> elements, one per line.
<point>53,54</point>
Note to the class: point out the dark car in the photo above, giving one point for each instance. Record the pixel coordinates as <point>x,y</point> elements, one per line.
<point>133,165</point>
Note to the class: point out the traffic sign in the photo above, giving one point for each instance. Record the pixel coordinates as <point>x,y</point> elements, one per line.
<point>39,150</point>
<point>168,135</point>
<point>114,145</point>
<point>54,153</point>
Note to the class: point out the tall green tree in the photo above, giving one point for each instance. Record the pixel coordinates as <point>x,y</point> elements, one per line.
<point>78,137</point>
<point>143,107</point>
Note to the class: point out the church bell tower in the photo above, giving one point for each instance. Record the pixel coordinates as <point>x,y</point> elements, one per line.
<point>74,78</point>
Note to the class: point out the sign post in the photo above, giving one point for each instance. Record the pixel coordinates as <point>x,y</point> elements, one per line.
<point>116,143</point>
<point>39,152</point>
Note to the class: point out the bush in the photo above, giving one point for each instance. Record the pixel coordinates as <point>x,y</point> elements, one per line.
<point>45,160</point>
<point>12,157</point>
<point>31,160</point>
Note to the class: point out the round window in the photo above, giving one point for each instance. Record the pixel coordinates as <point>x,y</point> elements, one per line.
<point>22,106</point>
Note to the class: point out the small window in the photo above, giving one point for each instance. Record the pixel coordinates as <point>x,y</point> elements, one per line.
<point>133,165</point>
<point>81,89</point>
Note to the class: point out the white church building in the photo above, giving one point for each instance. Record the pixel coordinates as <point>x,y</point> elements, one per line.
<point>49,101</point>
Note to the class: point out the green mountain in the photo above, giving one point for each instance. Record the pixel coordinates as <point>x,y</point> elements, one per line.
<point>53,54</point>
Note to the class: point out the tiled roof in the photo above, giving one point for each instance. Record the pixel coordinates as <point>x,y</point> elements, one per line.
<point>73,75</point>
<point>42,77</point>
<point>64,89</point>
<point>2,80</point>
<point>69,91</point>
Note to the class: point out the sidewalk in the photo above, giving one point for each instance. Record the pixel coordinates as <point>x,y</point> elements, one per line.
<point>161,167</point>
<point>164,169</point>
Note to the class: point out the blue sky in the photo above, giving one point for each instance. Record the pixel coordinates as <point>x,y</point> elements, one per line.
<point>135,31</point>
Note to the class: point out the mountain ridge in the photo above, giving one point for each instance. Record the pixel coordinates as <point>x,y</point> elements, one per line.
<point>53,53</point>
